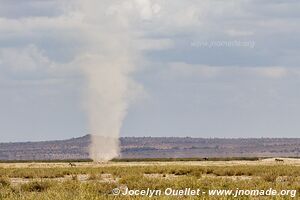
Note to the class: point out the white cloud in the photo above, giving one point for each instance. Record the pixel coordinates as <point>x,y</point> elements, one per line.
<point>237,33</point>
<point>38,25</point>
<point>147,9</point>
<point>154,44</point>
<point>184,70</point>
<point>30,66</point>
<point>274,72</point>
<point>28,59</point>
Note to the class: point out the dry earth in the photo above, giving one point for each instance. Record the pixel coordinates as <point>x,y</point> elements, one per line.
<point>269,161</point>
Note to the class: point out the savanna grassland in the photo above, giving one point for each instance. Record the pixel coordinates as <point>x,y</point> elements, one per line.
<point>60,181</point>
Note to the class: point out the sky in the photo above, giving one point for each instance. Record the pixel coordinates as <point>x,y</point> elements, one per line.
<point>208,68</point>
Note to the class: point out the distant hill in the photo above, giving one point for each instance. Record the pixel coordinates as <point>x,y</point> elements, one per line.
<point>75,148</point>
<point>155,147</point>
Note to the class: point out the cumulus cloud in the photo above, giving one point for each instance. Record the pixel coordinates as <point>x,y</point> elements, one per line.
<point>274,72</point>
<point>28,59</point>
<point>32,64</point>
<point>184,70</point>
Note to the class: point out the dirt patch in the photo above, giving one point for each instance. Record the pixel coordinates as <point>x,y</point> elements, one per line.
<point>290,161</point>
<point>172,176</point>
<point>167,176</point>
<point>234,178</point>
<point>107,178</point>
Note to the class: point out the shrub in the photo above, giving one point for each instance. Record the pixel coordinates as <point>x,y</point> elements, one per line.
<point>92,176</point>
<point>4,181</point>
<point>74,177</point>
<point>35,186</point>
<point>269,177</point>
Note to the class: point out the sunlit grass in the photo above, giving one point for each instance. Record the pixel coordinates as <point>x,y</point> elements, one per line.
<point>43,183</point>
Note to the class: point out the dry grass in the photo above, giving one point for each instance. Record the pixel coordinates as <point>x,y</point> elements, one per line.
<point>96,181</point>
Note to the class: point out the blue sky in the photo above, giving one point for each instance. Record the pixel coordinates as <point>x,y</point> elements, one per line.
<point>209,68</point>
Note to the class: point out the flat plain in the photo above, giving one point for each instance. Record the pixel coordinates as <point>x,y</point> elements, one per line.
<point>91,180</point>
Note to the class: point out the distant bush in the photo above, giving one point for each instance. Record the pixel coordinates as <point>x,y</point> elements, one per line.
<point>35,186</point>
<point>270,177</point>
<point>93,176</point>
<point>4,181</point>
<point>184,159</point>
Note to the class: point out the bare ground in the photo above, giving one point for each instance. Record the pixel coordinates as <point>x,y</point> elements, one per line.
<point>270,161</point>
